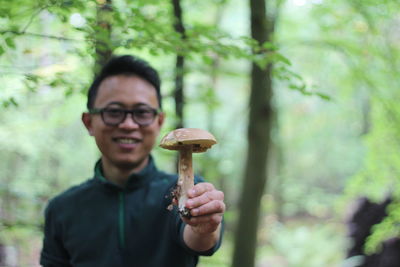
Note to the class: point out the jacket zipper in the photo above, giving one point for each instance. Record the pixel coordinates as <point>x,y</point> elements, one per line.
<point>121,219</point>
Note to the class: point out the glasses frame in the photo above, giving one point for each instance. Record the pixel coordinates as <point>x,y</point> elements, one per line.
<point>126,112</point>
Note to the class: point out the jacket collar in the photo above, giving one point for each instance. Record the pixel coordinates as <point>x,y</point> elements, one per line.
<point>135,180</point>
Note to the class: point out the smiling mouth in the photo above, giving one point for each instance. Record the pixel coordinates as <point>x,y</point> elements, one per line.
<point>126,141</point>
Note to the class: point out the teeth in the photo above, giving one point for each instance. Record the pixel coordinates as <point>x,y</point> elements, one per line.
<point>126,141</point>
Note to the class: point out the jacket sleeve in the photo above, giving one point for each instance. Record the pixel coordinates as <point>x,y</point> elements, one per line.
<point>53,252</point>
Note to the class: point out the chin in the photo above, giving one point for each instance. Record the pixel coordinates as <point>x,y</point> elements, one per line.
<point>129,163</point>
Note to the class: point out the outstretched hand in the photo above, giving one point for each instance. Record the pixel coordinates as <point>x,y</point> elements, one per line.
<point>206,206</point>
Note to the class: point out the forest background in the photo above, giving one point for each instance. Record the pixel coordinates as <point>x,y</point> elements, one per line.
<point>333,134</point>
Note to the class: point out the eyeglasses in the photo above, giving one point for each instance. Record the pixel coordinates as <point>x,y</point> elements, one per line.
<point>114,116</point>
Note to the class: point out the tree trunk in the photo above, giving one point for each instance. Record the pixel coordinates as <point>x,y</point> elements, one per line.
<point>179,67</point>
<point>275,186</point>
<point>103,47</point>
<point>2,255</point>
<point>259,140</point>
<point>179,95</point>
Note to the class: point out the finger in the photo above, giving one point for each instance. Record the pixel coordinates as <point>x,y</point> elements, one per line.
<point>204,199</point>
<point>205,227</point>
<point>212,220</point>
<point>199,189</point>
<point>214,206</point>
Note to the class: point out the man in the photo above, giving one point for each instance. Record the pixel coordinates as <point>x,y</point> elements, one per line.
<point>120,216</point>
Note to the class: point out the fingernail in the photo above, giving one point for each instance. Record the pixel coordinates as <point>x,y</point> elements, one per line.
<point>194,212</point>
<point>192,192</point>
<point>189,203</point>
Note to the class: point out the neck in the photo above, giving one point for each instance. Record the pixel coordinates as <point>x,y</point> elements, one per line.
<point>120,174</point>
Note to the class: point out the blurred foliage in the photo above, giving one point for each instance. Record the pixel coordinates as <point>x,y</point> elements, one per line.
<point>306,243</point>
<point>375,30</point>
<point>331,152</point>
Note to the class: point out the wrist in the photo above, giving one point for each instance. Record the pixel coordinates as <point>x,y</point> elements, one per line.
<point>199,240</point>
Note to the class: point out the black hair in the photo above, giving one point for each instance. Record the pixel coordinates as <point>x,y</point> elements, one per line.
<point>125,65</point>
<point>361,226</point>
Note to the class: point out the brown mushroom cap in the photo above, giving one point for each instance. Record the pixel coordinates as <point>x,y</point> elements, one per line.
<point>200,140</point>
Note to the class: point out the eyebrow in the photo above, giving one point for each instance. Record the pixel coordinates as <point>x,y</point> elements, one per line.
<point>114,103</point>
<point>123,106</point>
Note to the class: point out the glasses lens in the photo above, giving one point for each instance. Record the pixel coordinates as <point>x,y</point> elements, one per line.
<point>113,116</point>
<point>144,116</point>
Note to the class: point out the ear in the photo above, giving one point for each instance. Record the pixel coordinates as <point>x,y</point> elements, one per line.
<point>160,119</point>
<point>87,121</point>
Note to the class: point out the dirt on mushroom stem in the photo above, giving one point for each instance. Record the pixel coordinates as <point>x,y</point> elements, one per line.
<point>186,178</point>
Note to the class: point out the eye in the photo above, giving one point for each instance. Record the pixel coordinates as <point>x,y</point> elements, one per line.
<point>142,112</point>
<point>114,112</point>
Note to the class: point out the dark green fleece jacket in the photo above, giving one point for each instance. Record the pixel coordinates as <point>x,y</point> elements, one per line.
<point>99,224</point>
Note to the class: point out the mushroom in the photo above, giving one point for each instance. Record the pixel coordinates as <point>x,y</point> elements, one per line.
<point>186,141</point>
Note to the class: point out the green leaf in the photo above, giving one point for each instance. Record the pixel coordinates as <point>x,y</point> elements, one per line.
<point>10,102</point>
<point>324,96</point>
<point>69,91</point>
<point>10,42</point>
<point>32,77</point>
<point>270,46</point>
<point>13,101</point>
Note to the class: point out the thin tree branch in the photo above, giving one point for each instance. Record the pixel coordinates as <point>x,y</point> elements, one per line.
<point>39,35</point>
<point>32,18</point>
<point>21,224</point>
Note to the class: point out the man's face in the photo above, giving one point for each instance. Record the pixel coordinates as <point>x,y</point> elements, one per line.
<point>127,145</point>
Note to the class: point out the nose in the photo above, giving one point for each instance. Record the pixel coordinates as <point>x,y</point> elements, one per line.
<point>129,122</point>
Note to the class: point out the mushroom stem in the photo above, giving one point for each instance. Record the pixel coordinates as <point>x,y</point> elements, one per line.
<point>186,178</point>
